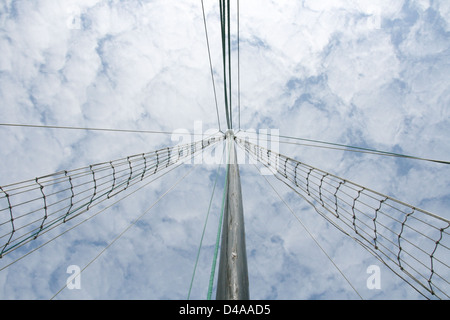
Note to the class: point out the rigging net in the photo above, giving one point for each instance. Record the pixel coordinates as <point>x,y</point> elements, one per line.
<point>412,242</point>
<point>31,208</point>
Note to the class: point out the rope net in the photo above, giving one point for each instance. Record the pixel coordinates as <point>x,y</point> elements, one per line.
<point>410,241</point>
<point>31,208</point>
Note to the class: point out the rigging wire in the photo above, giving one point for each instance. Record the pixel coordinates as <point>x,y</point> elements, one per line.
<point>210,64</point>
<point>239,67</point>
<point>343,147</point>
<point>229,63</point>
<point>85,128</point>
<point>223,34</point>
<point>205,224</point>
<point>225,22</point>
<point>126,229</point>
<point>311,235</point>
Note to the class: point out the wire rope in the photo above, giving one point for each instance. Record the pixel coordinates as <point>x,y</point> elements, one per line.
<point>210,64</point>
<point>204,226</point>
<point>239,65</point>
<point>90,129</point>
<point>230,106</point>
<point>343,147</point>
<point>224,63</point>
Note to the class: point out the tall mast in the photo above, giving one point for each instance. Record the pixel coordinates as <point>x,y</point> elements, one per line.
<point>232,282</point>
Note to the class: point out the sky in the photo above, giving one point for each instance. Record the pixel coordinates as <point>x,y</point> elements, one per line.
<point>364,73</point>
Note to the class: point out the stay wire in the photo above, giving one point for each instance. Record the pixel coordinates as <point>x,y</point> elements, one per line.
<point>229,63</point>
<point>239,67</point>
<point>350,148</point>
<point>223,26</point>
<point>205,224</point>
<point>126,229</point>
<point>84,128</point>
<point>210,64</point>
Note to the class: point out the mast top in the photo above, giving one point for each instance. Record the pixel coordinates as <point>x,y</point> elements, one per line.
<point>229,133</point>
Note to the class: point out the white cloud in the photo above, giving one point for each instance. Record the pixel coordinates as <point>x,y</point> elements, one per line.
<point>370,73</point>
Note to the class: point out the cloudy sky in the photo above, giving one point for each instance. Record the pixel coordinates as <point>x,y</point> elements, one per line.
<point>364,73</point>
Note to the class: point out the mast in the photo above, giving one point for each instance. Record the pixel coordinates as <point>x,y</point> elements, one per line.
<point>232,282</point>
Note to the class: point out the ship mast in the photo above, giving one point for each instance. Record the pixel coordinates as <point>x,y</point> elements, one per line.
<point>232,282</point>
